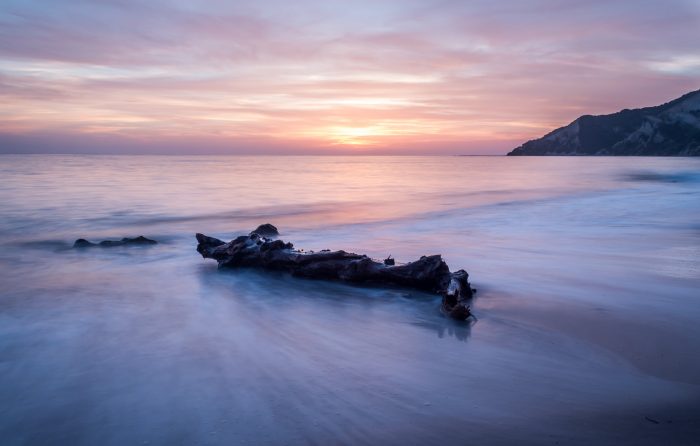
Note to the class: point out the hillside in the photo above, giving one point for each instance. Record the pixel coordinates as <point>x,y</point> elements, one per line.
<point>671,129</point>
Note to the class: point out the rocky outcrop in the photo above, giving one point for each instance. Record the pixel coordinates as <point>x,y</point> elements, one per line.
<point>136,241</point>
<point>671,129</point>
<point>429,273</point>
<point>266,230</point>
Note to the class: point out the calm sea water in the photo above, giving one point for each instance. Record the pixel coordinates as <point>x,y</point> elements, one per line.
<point>588,272</point>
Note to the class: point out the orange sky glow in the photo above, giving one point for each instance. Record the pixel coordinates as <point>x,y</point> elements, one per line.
<point>386,77</point>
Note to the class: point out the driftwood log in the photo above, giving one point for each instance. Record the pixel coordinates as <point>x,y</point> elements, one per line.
<point>429,273</point>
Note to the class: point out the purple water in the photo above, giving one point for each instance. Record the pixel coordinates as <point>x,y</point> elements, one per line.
<point>588,272</point>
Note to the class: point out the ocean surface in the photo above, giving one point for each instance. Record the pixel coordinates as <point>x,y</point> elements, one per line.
<point>588,303</point>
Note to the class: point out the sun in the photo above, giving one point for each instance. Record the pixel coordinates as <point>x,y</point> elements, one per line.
<point>355,136</point>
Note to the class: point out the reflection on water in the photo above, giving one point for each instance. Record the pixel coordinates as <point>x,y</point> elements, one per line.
<point>587,271</point>
<point>444,327</point>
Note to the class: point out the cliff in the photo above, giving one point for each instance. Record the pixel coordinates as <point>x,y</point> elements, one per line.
<point>671,129</point>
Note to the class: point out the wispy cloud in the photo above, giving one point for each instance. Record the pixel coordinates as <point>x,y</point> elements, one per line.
<point>313,76</point>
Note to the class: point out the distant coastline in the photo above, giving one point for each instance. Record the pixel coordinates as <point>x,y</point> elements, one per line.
<point>670,129</point>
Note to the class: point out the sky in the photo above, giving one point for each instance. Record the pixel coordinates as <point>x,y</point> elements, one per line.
<point>330,77</point>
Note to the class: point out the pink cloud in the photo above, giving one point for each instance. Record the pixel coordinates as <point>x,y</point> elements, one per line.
<point>383,77</point>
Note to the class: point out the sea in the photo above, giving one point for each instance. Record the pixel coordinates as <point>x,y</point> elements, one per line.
<point>587,314</point>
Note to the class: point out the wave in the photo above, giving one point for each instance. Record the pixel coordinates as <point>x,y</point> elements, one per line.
<point>380,210</point>
<point>663,177</point>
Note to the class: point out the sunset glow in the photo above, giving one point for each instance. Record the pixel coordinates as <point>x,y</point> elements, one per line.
<point>329,77</point>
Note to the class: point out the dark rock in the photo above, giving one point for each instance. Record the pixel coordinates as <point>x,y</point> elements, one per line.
<point>136,241</point>
<point>82,243</point>
<point>671,129</point>
<point>429,273</point>
<point>459,312</point>
<point>389,261</point>
<point>458,290</point>
<point>140,240</point>
<point>266,230</point>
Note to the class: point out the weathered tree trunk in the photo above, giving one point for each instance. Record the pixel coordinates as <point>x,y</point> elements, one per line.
<point>429,273</point>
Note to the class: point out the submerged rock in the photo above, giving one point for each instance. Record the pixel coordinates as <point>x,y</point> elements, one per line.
<point>140,240</point>
<point>429,273</point>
